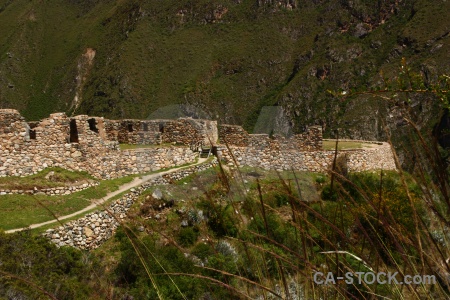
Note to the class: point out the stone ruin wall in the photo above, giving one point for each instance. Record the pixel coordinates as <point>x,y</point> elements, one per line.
<point>314,161</point>
<point>90,144</point>
<point>133,132</point>
<point>233,135</point>
<point>184,131</point>
<point>151,159</point>
<point>76,144</point>
<point>236,136</point>
<point>54,191</point>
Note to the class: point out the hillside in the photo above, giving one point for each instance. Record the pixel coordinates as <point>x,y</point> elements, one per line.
<point>229,58</point>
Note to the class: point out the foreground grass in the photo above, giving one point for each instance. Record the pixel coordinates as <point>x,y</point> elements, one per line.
<point>59,177</point>
<point>271,235</point>
<point>23,210</point>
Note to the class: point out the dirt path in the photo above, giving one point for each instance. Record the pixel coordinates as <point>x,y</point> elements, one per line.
<point>136,182</point>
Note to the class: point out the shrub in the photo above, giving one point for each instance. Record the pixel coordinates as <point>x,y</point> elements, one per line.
<point>56,270</point>
<point>329,194</point>
<point>220,218</point>
<point>320,179</point>
<point>187,236</point>
<point>202,251</point>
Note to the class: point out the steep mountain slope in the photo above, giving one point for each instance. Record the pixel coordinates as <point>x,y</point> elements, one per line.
<point>123,59</point>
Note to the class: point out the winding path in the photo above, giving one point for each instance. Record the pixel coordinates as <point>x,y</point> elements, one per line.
<point>136,182</point>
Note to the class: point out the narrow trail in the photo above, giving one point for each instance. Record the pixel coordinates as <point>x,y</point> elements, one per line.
<point>136,182</point>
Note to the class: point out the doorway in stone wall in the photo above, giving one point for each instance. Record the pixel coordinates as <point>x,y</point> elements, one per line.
<point>31,132</point>
<point>130,127</point>
<point>93,125</point>
<point>73,135</point>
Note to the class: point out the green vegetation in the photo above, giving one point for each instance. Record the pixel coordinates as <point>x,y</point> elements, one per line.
<point>43,228</point>
<point>45,271</point>
<point>285,239</point>
<point>50,177</point>
<point>342,145</point>
<point>18,211</point>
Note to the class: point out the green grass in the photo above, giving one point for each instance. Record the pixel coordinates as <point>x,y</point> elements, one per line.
<point>204,180</point>
<point>100,207</point>
<point>306,181</point>
<point>330,145</point>
<point>170,168</point>
<point>204,174</point>
<point>61,177</point>
<point>23,210</point>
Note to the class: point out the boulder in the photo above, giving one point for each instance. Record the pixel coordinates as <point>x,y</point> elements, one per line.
<point>88,232</point>
<point>157,194</point>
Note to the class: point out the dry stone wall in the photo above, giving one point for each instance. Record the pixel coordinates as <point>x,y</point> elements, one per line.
<point>379,157</point>
<point>145,160</point>
<point>184,131</point>
<point>234,135</point>
<point>301,151</point>
<point>77,143</point>
<point>91,144</point>
<point>54,191</point>
<point>188,131</point>
<point>134,131</point>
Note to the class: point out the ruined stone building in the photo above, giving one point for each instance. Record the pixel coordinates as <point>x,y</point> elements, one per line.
<point>91,144</point>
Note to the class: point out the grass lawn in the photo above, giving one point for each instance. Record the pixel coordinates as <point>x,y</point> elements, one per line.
<point>330,145</point>
<point>60,177</point>
<point>22,210</point>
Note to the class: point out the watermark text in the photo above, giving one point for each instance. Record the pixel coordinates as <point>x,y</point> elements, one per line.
<point>371,278</point>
